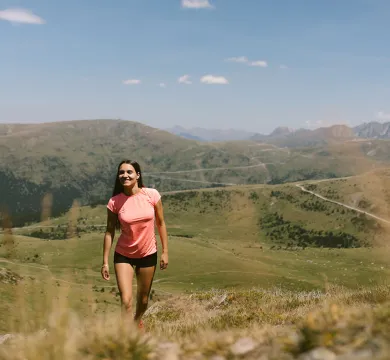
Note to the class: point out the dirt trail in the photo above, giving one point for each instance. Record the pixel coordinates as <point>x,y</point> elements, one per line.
<point>342,204</point>
<point>189,180</point>
<point>205,169</point>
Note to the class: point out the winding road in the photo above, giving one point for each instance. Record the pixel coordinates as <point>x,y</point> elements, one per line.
<point>206,169</point>
<point>342,204</point>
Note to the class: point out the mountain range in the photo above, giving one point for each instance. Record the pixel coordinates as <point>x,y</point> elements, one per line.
<point>201,134</point>
<point>77,160</point>
<point>374,130</point>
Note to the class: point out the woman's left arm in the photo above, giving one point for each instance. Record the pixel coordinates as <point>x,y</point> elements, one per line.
<point>162,230</point>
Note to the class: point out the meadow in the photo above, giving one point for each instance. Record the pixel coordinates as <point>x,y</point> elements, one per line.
<point>238,273</point>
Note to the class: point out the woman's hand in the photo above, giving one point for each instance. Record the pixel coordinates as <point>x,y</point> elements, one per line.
<point>105,272</point>
<point>164,261</point>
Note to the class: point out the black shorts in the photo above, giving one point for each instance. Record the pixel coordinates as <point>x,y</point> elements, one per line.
<point>146,261</point>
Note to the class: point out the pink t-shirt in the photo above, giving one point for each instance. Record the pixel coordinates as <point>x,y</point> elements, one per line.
<point>136,216</point>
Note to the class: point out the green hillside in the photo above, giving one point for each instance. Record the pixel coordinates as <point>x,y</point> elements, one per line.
<point>235,237</point>
<point>242,258</point>
<point>77,160</point>
<point>369,191</point>
<point>69,270</point>
<point>279,216</point>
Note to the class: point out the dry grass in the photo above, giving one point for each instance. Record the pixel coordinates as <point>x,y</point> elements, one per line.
<point>230,324</point>
<point>216,324</point>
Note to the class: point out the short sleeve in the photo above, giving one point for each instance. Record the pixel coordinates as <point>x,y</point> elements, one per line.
<point>155,196</point>
<point>111,205</point>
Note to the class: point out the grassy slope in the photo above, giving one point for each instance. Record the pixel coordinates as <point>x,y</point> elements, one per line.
<point>222,269</point>
<point>369,192</point>
<point>215,242</point>
<point>77,160</point>
<point>235,213</point>
<point>278,322</point>
<point>194,265</point>
<point>82,148</point>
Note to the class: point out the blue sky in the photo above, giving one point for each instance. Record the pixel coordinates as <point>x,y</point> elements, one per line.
<point>246,64</point>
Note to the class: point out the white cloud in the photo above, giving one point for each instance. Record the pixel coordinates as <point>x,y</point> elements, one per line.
<point>245,60</point>
<point>21,16</point>
<point>196,4</point>
<point>184,80</point>
<point>162,85</point>
<point>239,59</point>
<point>259,63</point>
<point>381,115</point>
<point>283,67</point>
<point>211,79</point>
<point>131,82</point>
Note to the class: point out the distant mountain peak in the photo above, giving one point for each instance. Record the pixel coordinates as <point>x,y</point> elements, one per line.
<point>281,131</point>
<point>336,131</point>
<point>204,134</point>
<point>284,134</point>
<point>374,129</point>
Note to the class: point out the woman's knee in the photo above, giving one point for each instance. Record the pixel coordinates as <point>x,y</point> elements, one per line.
<point>143,298</point>
<point>127,300</point>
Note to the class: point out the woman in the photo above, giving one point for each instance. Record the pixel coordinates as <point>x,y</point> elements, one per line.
<point>134,208</point>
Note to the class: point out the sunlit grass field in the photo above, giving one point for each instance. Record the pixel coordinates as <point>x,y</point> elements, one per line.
<point>225,274</point>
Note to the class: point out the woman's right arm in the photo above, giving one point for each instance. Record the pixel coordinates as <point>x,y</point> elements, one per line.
<point>109,237</point>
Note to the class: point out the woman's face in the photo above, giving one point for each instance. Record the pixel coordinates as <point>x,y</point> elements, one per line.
<point>127,175</point>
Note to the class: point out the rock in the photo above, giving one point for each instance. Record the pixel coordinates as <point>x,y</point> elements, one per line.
<point>243,346</point>
<point>9,277</point>
<point>320,353</point>
<point>4,338</point>
<point>217,357</point>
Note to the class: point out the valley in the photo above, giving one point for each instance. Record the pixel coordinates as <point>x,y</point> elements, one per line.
<point>236,237</point>
<point>249,223</point>
<point>265,127</point>
<point>76,161</point>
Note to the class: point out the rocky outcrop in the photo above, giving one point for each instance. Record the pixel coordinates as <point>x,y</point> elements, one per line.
<point>9,277</point>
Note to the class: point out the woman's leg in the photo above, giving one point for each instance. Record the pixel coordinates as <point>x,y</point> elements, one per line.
<point>124,276</point>
<point>144,284</point>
